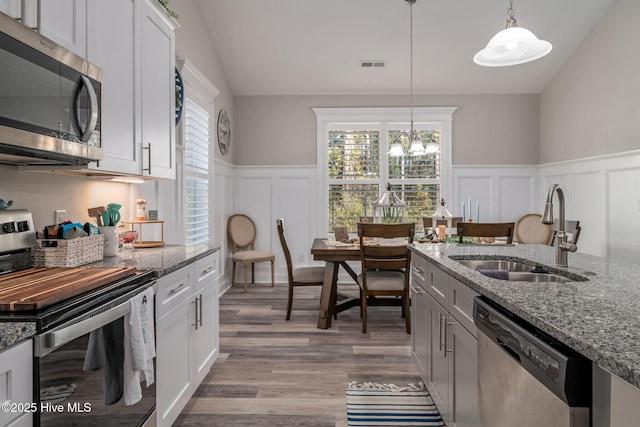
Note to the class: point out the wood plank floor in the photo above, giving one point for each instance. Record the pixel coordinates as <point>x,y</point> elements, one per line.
<point>277,373</point>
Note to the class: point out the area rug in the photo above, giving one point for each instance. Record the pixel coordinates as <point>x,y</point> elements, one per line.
<point>372,404</point>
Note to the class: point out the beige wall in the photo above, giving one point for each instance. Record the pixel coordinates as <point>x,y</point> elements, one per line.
<point>592,106</point>
<point>487,129</point>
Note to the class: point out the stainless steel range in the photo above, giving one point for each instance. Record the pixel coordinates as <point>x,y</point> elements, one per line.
<point>64,324</point>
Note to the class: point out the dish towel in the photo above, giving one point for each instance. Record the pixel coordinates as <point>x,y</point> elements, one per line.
<point>139,346</point>
<point>106,350</point>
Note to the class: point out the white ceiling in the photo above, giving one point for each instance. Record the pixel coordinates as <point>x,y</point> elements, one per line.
<point>314,47</point>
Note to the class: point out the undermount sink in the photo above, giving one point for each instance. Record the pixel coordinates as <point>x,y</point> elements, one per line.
<point>517,271</point>
<point>490,264</point>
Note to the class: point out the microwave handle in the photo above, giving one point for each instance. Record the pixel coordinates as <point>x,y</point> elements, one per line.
<point>84,81</point>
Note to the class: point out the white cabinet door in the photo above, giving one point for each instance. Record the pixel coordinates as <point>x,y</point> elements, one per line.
<point>111,45</point>
<point>65,22</point>
<point>421,327</point>
<point>463,376</point>
<point>157,47</point>
<point>205,343</point>
<point>173,336</point>
<point>439,375</point>
<point>16,381</point>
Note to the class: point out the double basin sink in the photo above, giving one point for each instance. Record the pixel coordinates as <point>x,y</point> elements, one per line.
<point>519,271</point>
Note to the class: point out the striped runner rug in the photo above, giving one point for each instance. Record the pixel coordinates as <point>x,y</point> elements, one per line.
<point>372,404</point>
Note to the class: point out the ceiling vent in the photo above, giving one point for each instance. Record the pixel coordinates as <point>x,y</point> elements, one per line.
<point>372,63</point>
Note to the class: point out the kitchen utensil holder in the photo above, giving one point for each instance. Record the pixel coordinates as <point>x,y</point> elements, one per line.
<point>67,252</point>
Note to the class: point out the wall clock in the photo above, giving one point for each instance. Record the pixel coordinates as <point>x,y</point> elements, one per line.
<point>179,96</point>
<point>224,132</point>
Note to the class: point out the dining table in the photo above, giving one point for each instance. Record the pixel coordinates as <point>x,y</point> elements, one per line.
<point>335,255</point>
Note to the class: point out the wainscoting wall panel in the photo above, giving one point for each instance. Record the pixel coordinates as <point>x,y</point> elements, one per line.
<point>603,193</point>
<point>505,193</point>
<point>223,208</point>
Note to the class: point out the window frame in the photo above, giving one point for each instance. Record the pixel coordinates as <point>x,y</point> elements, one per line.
<point>384,118</point>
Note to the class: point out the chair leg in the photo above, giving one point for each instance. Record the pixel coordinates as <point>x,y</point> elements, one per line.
<point>364,313</point>
<point>253,273</point>
<point>246,270</point>
<point>233,273</point>
<point>272,273</point>
<point>289,301</point>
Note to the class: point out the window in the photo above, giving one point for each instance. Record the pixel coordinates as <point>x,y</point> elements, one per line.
<point>355,166</point>
<point>195,159</point>
<point>196,173</point>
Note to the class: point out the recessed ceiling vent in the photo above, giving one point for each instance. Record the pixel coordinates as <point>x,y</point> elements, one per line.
<point>370,63</point>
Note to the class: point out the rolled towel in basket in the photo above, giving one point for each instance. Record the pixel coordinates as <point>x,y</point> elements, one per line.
<point>496,274</point>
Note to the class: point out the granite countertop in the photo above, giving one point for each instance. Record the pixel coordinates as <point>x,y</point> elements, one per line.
<point>162,260</point>
<point>599,318</point>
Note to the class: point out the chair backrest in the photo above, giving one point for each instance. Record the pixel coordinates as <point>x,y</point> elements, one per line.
<point>571,227</point>
<point>285,247</point>
<point>389,255</point>
<point>241,232</point>
<point>486,229</point>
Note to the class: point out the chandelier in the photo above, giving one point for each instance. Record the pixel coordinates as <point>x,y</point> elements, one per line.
<point>417,148</point>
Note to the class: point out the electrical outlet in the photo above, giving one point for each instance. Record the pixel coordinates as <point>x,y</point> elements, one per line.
<point>60,216</point>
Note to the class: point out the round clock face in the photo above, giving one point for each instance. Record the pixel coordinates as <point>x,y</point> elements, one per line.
<point>179,96</point>
<point>224,132</point>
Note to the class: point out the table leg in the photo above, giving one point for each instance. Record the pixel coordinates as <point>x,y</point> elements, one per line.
<point>328,295</point>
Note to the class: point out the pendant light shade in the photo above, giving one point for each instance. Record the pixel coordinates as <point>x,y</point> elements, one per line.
<point>512,46</point>
<point>417,149</point>
<point>396,149</point>
<point>432,147</point>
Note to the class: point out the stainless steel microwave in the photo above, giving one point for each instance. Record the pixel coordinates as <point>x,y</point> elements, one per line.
<point>50,101</point>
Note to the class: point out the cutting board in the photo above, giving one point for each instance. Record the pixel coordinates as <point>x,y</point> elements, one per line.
<point>36,288</point>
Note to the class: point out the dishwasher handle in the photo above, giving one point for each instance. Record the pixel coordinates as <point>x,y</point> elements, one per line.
<point>513,353</point>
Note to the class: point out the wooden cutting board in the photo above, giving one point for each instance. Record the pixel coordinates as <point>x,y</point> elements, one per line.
<point>36,288</point>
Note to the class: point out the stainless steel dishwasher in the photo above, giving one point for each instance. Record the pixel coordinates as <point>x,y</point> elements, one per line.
<point>525,377</point>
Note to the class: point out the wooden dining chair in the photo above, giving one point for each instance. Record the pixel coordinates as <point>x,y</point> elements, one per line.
<point>241,231</point>
<point>486,229</point>
<point>302,276</point>
<point>386,267</point>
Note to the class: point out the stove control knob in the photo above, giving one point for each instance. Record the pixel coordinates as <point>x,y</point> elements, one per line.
<point>8,227</point>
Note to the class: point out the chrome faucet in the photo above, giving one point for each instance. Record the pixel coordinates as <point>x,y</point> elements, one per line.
<point>562,246</point>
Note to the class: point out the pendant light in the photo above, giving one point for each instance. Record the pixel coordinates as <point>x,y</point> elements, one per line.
<point>512,46</point>
<point>417,148</point>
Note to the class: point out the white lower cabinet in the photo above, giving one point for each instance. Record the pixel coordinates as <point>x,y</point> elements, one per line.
<point>16,382</point>
<point>444,343</point>
<point>187,334</point>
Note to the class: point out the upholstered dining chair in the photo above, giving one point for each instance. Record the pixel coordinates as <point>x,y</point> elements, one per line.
<point>386,266</point>
<point>302,276</point>
<point>486,229</point>
<point>241,231</point>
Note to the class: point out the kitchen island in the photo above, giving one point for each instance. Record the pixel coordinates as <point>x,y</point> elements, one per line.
<point>598,317</point>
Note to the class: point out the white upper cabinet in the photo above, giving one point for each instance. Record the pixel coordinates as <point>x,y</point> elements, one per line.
<point>157,50</point>
<point>133,42</point>
<point>111,45</point>
<point>64,22</point>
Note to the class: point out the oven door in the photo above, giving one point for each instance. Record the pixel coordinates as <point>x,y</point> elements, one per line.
<point>69,395</point>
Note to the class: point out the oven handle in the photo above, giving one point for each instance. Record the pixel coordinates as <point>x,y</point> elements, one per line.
<point>49,341</point>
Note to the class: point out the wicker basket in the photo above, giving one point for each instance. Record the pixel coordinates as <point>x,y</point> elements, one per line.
<point>67,252</point>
